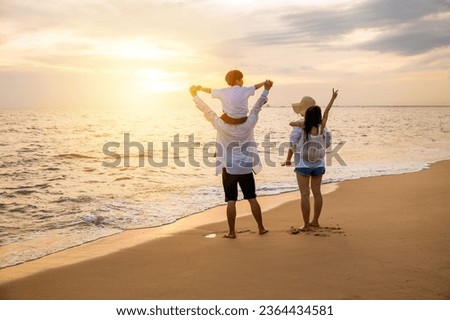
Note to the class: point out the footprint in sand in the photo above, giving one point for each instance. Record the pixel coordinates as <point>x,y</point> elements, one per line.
<point>318,232</point>
<point>211,235</point>
<point>214,235</point>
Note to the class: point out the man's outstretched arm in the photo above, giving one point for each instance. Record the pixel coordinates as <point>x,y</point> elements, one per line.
<point>209,114</point>
<point>262,99</point>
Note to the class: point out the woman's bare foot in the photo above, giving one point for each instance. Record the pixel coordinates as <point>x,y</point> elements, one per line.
<point>263,231</point>
<point>314,224</point>
<point>230,235</point>
<point>305,228</point>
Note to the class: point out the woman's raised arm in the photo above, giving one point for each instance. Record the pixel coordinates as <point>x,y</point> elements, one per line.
<point>327,110</point>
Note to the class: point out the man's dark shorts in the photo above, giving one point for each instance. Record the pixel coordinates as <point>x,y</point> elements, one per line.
<point>230,182</point>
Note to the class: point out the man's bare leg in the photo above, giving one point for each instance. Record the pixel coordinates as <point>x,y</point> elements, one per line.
<point>256,211</point>
<point>231,217</point>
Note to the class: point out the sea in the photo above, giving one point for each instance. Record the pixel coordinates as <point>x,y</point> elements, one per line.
<point>68,177</point>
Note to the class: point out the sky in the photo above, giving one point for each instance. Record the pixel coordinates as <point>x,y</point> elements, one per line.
<point>146,54</point>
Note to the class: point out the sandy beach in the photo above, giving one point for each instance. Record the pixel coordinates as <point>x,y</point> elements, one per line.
<point>381,238</point>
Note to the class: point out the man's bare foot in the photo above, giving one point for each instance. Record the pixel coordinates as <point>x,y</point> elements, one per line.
<point>263,231</point>
<point>314,225</point>
<point>305,228</point>
<point>230,236</point>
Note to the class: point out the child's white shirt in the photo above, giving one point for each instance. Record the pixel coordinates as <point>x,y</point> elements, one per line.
<point>234,100</point>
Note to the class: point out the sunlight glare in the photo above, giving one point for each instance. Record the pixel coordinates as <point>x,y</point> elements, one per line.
<point>138,50</point>
<point>158,81</point>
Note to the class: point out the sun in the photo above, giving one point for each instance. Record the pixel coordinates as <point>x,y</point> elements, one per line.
<point>138,49</point>
<point>158,81</point>
<point>147,90</point>
<point>132,55</point>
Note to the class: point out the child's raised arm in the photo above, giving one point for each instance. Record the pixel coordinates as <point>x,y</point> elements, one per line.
<point>327,110</point>
<point>207,90</point>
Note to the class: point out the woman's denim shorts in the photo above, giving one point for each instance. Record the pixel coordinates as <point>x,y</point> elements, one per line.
<point>310,171</point>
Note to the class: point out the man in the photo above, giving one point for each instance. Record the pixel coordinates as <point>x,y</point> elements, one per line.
<point>237,158</point>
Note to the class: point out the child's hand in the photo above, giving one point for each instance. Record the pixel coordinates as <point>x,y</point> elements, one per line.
<point>193,90</point>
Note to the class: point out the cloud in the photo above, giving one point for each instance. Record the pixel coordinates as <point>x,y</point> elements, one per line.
<point>406,27</point>
<point>104,19</point>
<point>95,34</point>
<point>421,38</point>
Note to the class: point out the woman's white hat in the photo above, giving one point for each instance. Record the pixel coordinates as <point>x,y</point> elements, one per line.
<point>303,105</point>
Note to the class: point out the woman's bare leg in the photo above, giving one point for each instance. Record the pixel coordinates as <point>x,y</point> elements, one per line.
<point>303,185</point>
<point>316,182</point>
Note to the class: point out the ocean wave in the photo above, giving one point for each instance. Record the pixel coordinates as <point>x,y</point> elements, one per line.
<point>123,178</point>
<point>52,169</point>
<point>94,219</point>
<point>22,208</point>
<point>79,199</point>
<point>25,192</point>
<point>73,156</point>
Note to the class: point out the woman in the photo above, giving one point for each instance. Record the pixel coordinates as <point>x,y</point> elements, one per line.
<point>309,143</point>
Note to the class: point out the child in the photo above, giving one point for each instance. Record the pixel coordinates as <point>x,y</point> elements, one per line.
<point>234,98</point>
<point>300,109</point>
